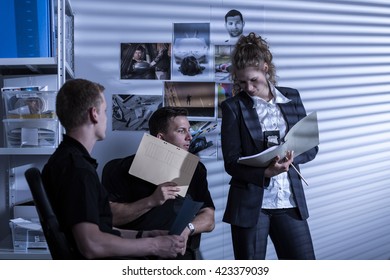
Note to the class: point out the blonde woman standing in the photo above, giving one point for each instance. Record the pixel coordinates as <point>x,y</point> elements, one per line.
<point>263,201</point>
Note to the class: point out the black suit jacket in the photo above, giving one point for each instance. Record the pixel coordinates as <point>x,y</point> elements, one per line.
<point>242,135</point>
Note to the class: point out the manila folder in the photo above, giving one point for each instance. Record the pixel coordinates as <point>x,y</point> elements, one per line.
<point>158,161</point>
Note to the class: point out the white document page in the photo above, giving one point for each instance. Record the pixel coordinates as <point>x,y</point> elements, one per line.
<point>157,162</point>
<point>302,137</point>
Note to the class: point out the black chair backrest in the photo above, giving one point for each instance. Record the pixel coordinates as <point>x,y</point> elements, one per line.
<point>59,246</point>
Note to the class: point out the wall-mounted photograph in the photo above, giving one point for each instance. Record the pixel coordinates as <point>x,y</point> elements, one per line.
<point>150,61</point>
<point>232,19</point>
<point>204,142</point>
<point>224,90</point>
<point>219,145</point>
<point>191,51</point>
<point>222,62</point>
<point>198,98</point>
<point>131,112</point>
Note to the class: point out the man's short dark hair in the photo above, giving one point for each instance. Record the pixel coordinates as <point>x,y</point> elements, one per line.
<point>140,48</point>
<point>233,13</point>
<point>159,120</point>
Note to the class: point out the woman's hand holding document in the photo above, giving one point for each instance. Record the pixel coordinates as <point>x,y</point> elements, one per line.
<point>302,137</point>
<point>157,161</point>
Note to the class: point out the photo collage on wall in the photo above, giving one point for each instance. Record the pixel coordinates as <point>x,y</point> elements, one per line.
<point>193,70</point>
<point>132,112</point>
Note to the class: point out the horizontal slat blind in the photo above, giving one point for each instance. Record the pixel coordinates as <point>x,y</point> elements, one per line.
<point>336,53</point>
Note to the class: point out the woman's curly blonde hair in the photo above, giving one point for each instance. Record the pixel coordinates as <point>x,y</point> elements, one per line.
<point>252,51</point>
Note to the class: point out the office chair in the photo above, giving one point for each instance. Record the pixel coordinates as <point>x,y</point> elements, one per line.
<point>59,246</point>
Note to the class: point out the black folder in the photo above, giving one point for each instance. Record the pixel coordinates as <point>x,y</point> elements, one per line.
<point>185,215</point>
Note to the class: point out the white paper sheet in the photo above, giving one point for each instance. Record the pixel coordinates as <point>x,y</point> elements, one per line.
<point>302,137</point>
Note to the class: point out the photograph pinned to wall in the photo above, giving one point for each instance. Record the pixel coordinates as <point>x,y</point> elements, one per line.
<point>191,51</point>
<point>198,98</point>
<point>232,19</point>
<point>222,62</point>
<point>204,138</point>
<point>219,144</point>
<point>150,61</point>
<point>131,112</point>
<point>224,91</point>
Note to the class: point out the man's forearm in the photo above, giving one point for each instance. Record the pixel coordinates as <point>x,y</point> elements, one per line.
<point>124,213</point>
<point>204,221</point>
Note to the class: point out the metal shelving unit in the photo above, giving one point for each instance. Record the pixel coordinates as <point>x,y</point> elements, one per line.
<point>61,66</point>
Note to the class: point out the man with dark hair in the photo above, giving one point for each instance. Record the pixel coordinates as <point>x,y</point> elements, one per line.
<point>139,67</point>
<point>234,24</point>
<point>137,204</point>
<point>79,200</point>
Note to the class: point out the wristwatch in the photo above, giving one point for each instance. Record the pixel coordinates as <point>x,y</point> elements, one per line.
<point>191,228</point>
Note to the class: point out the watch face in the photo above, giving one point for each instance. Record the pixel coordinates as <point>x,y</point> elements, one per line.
<point>191,227</point>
